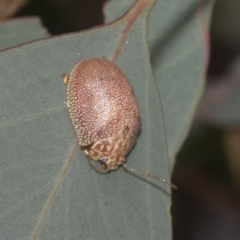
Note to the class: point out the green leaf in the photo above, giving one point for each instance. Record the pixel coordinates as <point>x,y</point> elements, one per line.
<point>48,190</point>
<point>178,47</point>
<point>18,31</point>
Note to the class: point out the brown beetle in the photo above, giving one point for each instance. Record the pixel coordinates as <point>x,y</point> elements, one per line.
<point>104,112</point>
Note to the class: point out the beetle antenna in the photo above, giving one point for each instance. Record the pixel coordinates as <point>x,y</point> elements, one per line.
<point>129,169</point>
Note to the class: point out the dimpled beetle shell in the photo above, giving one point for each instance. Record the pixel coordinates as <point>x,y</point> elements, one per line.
<point>103,110</point>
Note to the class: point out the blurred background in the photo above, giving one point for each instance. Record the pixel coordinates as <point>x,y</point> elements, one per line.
<point>207,170</point>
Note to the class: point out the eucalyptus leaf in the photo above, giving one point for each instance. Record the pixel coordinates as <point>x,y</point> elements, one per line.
<point>18,31</point>
<point>178,49</point>
<point>47,191</point>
